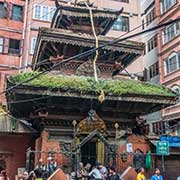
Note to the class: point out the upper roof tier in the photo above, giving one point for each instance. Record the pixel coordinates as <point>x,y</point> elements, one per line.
<point>77,18</point>
<point>54,42</point>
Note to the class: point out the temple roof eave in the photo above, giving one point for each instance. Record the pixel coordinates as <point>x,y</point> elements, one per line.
<point>68,37</point>
<point>27,89</point>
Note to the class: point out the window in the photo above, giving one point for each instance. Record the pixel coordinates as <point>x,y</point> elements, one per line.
<point>3,10</point>
<point>37,12</point>
<point>153,70</point>
<point>150,17</point>
<point>14,46</point>
<point>17,13</point>
<point>33,44</point>
<point>52,11</point>
<point>44,13</point>
<point>1,44</point>
<point>176,89</point>
<point>152,43</point>
<point>172,63</point>
<point>170,33</point>
<point>166,4</point>
<point>121,24</point>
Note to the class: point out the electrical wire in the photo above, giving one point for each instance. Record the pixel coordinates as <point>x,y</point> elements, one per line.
<point>119,36</point>
<point>84,54</point>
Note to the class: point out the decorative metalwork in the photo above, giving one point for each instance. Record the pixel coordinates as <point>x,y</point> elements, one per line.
<point>91,123</point>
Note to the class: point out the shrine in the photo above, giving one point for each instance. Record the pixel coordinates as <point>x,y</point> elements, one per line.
<point>78,118</point>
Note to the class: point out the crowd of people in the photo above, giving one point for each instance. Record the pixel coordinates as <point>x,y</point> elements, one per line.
<point>42,171</point>
<point>97,172</point>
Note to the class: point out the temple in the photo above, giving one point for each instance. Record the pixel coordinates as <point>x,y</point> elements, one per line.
<point>77,118</point>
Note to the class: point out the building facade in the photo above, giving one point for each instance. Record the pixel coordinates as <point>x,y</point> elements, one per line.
<point>169,57</point>
<point>150,58</point>
<point>11,35</point>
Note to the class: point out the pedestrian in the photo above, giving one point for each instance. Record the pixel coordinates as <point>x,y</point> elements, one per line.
<point>51,166</point>
<point>4,175</point>
<point>104,172</point>
<point>157,175</point>
<point>41,167</point>
<point>113,174</point>
<point>25,175</point>
<point>140,175</point>
<point>178,178</point>
<point>81,172</point>
<point>95,173</point>
<point>88,167</point>
<point>38,174</point>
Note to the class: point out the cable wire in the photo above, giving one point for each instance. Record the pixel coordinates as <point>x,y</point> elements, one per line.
<point>84,54</point>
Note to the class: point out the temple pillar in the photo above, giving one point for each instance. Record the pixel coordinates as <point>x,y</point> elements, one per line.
<point>100,151</point>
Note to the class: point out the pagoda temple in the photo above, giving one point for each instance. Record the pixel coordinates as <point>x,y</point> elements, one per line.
<point>80,119</point>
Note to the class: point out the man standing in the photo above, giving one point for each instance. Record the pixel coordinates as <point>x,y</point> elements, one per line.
<point>140,175</point>
<point>95,173</point>
<point>157,175</point>
<point>112,174</point>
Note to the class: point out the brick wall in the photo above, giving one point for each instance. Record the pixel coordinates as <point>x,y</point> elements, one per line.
<point>13,150</point>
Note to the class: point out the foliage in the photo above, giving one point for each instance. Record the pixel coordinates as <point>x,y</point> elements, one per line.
<point>88,85</point>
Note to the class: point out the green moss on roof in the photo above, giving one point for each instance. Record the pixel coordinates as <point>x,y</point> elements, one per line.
<point>87,84</point>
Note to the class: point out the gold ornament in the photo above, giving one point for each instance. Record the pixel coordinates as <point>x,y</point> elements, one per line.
<point>101,97</point>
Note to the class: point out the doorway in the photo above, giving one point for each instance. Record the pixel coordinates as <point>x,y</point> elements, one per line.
<point>88,153</point>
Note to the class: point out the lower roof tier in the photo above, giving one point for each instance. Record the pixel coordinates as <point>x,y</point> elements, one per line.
<point>73,93</point>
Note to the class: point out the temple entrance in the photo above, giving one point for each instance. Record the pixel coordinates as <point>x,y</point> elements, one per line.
<point>88,153</point>
<point>90,142</point>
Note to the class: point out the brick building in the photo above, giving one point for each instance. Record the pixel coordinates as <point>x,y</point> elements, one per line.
<point>11,35</point>
<point>169,57</point>
<point>15,138</point>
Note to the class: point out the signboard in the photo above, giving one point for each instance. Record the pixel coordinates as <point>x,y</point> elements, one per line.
<point>129,147</point>
<point>162,148</point>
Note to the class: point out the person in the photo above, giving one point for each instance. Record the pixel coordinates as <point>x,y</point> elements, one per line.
<point>81,172</point>
<point>157,175</point>
<point>103,170</point>
<point>140,175</point>
<point>51,166</point>
<point>25,175</point>
<point>87,167</point>
<point>38,174</point>
<point>95,173</point>
<point>41,167</point>
<point>4,175</point>
<point>112,174</point>
<point>178,178</point>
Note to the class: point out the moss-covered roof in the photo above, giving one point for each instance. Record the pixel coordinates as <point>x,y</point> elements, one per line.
<point>88,85</point>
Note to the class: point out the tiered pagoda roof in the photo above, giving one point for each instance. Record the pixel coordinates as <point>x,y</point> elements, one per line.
<point>77,19</point>
<point>71,34</point>
<point>51,42</point>
<point>53,97</point>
